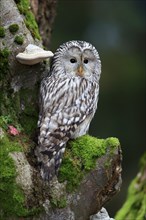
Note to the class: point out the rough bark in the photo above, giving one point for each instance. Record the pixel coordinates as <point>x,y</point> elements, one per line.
<point>17,80</point>
<point>20,83</point>
<point>45,12</point>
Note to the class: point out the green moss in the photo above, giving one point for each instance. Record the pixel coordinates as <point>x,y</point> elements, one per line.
<point>8,108</point>
<point>4,62</point>
<point>6,120</point>
<point>29,116</point>
<point>143,162</point>
<point>25,9</point>
<point>19,39</point>
<point>80,157</point>
<point>134,207</point>
<point>2,31</point>
<point>112,142</point>
<point>61,203</point>
<point>13,28</point>
<point>11,107</point>
<point>12,198</point>
<point>29,123</point>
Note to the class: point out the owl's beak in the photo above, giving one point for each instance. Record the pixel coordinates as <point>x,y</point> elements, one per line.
<point>80,71</point>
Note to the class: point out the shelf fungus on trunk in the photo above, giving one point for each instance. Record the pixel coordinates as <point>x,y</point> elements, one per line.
<point>33,55</point>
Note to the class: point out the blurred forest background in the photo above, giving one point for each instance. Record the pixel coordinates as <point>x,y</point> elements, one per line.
<point>117,28</point>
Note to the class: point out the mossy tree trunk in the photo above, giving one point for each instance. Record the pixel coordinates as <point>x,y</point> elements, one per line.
<point>19,84</point>
<point>135,204</point>
<point>91,171</point>
<point>45,12</point>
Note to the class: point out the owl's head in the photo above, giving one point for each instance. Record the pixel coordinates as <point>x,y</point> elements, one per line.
<point>77,59</point>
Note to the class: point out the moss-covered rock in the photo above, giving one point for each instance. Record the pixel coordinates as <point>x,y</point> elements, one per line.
<point>11,196</point>
<point>13,200</point>
<point>135,206</point>
<point>81,156</point>
<point>57,192</point>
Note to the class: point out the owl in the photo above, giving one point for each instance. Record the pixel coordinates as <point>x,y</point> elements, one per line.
<point>68,101</point>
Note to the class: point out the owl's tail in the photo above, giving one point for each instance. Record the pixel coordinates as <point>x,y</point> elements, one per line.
<point>49,161</point>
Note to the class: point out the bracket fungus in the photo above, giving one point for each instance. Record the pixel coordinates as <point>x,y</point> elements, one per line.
<point>33,55</point>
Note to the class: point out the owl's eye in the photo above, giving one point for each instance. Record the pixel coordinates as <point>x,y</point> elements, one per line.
<point>85,61</point>
<point>73,60</point>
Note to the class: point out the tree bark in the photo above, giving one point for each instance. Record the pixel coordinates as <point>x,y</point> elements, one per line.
<point>45,12</point>
<point>15,78</point>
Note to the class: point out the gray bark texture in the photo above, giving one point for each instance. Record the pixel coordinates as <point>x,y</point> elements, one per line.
<point>45,12</point>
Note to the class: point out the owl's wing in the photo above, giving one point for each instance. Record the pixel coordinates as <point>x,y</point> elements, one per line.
<point>64,107</point>
<point>46,97</point>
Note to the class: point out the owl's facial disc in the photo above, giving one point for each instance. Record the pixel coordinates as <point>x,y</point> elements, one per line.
<point>79,62</point>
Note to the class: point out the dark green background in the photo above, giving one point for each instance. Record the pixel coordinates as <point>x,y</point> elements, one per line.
<point>117,29</point>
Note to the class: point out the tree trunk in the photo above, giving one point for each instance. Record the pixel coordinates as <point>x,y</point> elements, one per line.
<point>20,84</point>
<point>45,12</point>
<point>135,204</point>
<point>80,191</point>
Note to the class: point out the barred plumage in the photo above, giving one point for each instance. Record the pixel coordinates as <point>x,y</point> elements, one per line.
<point>68,101</point>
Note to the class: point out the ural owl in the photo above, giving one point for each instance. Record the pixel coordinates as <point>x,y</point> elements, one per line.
<point>68,101</point>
